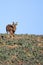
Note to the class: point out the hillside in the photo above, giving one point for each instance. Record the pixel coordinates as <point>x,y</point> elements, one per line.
<point>23,49</point>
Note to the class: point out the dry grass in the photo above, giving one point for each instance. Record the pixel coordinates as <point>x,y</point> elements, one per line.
<point>23,49</point>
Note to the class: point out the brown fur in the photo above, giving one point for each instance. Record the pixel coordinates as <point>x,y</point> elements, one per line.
<point>11,28</point>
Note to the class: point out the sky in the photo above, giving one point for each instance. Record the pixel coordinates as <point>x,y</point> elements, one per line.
<point>28,14</point>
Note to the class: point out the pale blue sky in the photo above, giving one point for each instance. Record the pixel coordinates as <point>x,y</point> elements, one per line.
<point>28,14</point>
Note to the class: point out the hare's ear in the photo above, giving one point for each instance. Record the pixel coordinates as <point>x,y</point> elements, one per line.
<point>13,23</point>
<point>16,23</point>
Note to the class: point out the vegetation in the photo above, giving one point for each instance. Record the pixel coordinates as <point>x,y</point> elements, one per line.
<point>23,49</point>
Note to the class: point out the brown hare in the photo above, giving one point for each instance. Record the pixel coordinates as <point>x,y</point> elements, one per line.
<point>11,28</point>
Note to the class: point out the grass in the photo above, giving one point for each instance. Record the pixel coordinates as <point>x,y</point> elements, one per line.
<point>23,49</point>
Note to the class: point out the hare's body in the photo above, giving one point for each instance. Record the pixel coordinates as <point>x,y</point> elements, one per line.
<point>11,28</point>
